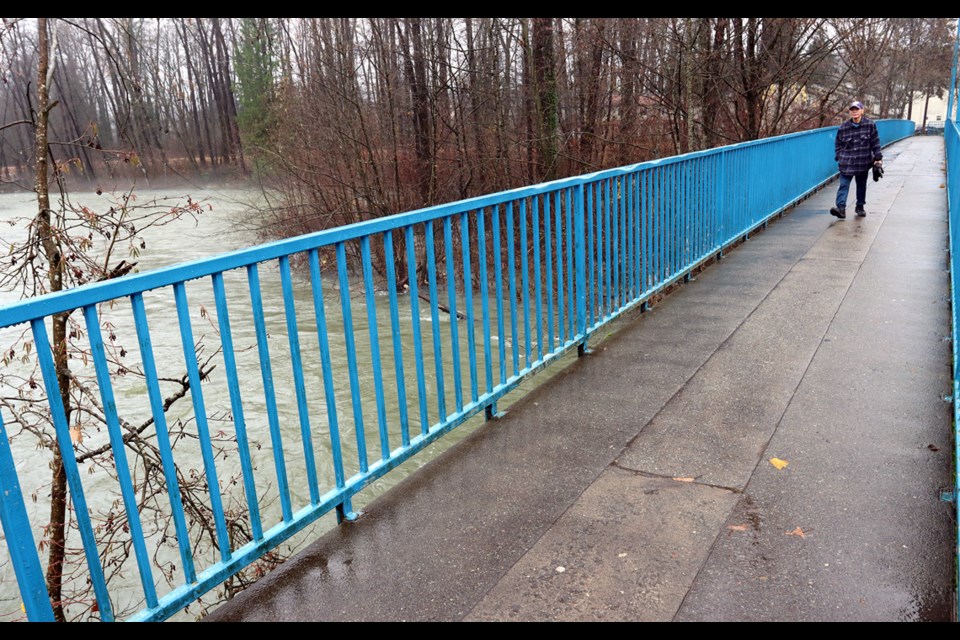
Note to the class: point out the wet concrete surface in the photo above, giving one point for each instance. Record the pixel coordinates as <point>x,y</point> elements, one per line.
<point>867,438</point>
<point>628,549</point>
<point>643,469</point>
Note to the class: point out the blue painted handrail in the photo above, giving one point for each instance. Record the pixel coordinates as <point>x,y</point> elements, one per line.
<point>951,135</point>
<point>548,264</point>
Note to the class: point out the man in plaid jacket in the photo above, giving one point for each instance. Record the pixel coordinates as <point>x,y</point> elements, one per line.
<point>856,150</point>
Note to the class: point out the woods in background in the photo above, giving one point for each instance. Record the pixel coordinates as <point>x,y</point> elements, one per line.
<point>346,119</point>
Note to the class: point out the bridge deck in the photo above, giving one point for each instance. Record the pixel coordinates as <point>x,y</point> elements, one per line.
<point>636,485</point>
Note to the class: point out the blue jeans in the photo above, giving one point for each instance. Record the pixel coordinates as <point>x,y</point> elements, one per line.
<point>845,189</point>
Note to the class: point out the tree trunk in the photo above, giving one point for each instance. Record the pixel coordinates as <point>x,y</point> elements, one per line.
<point>628,79</point>
<point>193,78</point>
<point>230,103</point>
<point>411,42</point>
<point>56,531</point>
<point>595,30</point>
<point>547,98</point>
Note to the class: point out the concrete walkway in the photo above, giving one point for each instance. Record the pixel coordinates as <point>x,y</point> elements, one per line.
<point>637,484</point>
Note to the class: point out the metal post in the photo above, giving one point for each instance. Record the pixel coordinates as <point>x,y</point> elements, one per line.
<point>580,266</point>
<point>953,74</point>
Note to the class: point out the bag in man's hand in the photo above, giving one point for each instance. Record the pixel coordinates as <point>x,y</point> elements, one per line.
<point>877,172</point>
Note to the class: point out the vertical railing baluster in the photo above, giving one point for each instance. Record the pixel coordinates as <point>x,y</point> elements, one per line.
<point>697,184</point>
<point>653,198</point>
<point>631,232</point>
<point>353,374</point>
<point>706,168</point>
<point>623,199</point>
<point>655,195</point>
<point>681,189</point>
<point>627,258</point>
<point>683,183</point>
<point>19,536</point>
<point>485,305</point>
<point>670,222</point>
<point>571,304</point>
<point>163,439</point>
<point>644,231</point>
<point>704,206</point>
<point>591,253</point>
<point>691,209</point>
<point>293,338</point>
<point>626,233</point>
<point>623,224</point>
<point>731,203</point>
<point>498,277</point>
<point>415,323</point>
<point>718,200</point>
<point>329,393</point>
<point>668,209</point>
<point>452,301</point>
<point>561,284</point>
<point>548,266</point>
<point>535,224</point>
<point>524,282</point>
<point>390,268</point>
<point>624,263</point>
<point>608,243</point>
<point>674,219</point>
<point>374,333</point>
<point>683,171</point>
<point>468,305</point>
<point>118,449</point>
<point>266,374</point>
<point>695,180</point>
<point>659,216</point>
<point>48,370</point>
<point>614,218</point>
<point>512,282</point>
<point>601,251</point>
<point>435,319</point>
<point>580,263</point>
<point>637,237</point>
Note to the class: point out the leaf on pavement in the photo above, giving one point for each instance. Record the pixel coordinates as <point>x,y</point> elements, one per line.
<point>685,479</point>
<point>738,527</point>
<point>778,463</point>
<point>796,532</point>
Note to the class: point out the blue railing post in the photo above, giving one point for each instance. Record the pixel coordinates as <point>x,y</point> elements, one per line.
<point>953,76</point>
<point>951,139</point>
<point>20,543</point>
<point>580,266</point>
<point>721,201</point>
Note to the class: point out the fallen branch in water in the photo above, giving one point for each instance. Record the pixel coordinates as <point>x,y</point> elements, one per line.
<point>446,310</point>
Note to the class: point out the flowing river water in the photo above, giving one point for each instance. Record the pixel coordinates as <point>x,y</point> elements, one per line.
<point>228,224</point>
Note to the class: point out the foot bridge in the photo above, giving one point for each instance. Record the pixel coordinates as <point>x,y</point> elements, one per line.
<point>561,439</point>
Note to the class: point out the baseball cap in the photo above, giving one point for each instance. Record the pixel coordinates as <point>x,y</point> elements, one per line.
<point>856,104</point>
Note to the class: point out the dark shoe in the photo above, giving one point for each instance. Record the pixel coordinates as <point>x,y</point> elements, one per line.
<point>840,212</point>
<point>860,212</point>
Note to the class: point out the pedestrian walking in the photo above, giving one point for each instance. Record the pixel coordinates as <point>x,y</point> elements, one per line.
<point>856,150</point>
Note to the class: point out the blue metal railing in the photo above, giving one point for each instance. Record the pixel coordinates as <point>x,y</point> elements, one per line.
<point>547,265</point>
<point>951,135</point>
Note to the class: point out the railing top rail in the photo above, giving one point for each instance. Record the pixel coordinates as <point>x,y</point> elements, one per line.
<point>95,293</point>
